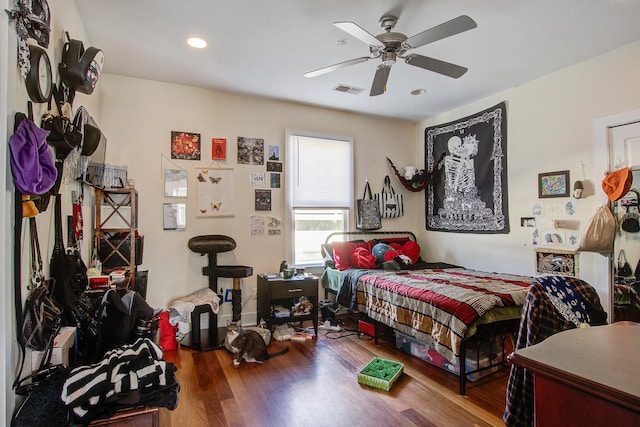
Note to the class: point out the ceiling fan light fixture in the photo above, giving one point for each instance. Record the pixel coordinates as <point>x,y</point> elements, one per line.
<point>196,42</point>
<point>418,92</point>
<point>389,58</point>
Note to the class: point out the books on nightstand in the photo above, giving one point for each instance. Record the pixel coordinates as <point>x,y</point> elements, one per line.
<point>280,312</point>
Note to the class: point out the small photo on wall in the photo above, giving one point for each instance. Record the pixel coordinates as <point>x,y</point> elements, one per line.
<point>218,149</point>
<point>263,200</point>
<point>185,145</point>
<point>275,180</point>
<point>250,151</point>
<point>274,166</point>
<point>274,153</point>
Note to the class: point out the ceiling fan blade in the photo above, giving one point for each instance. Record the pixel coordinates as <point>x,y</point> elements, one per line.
<point>446,29</point>
<point>379,85</point>
<point>358,32</point>
<point>436,65</point>
<point>337,66</point>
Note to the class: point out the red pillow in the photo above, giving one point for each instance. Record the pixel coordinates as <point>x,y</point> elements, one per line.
<point>410,249</point>
<point>342,253</point>
<point>363,258</point>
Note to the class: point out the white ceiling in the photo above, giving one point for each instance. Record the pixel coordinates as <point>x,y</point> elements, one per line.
<point>264,47</point>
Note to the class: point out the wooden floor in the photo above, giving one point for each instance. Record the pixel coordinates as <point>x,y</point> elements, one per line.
<point>315,384</point>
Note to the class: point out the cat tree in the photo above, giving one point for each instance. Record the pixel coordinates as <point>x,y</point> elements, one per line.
<point>212,245</point>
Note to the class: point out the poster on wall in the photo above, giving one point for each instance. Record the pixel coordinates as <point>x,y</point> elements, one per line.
<point>250,151</point>
<point>468,193</point>
<point>215,191</point>
<point>185,145</point>
<point>263,200</point>
<point>218,149</point>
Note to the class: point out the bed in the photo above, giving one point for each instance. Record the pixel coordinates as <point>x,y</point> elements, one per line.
<point>445,306</point>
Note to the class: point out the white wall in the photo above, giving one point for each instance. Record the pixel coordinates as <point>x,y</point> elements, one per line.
<point>550,128</point>
<point>138,116</point>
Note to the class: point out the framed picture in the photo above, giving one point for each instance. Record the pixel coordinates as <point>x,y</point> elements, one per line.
<point>175,183</point>
<point>215,191</point>
<point>185,145</point>
<point>553,184</point>
<point>174,216</point>
<point>556,262</point>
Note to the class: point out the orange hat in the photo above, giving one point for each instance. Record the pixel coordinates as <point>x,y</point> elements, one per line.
<point>617,183</point>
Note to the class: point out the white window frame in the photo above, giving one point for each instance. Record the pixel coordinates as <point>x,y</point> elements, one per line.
<point>289,179</point>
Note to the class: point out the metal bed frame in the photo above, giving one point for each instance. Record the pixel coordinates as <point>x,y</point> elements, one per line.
<point>484,333</point>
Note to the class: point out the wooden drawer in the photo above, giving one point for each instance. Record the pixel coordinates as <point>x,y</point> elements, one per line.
<point>293,288</point>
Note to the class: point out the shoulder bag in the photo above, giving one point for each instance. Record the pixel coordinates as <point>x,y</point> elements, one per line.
<point>389,203</point>
<point>42,314</point>
<point>368,212</point>
<point>68,270</point>
<point>623,267</point>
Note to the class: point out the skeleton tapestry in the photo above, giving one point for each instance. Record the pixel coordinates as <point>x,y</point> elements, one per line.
<point>468,157</point>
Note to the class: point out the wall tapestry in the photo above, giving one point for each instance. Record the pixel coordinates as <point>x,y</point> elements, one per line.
<point>469,189</point>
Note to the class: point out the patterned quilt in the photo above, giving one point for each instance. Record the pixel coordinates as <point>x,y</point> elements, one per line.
<point>439,306</point>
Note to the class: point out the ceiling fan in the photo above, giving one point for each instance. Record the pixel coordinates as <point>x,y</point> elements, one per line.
<point>391,45</point>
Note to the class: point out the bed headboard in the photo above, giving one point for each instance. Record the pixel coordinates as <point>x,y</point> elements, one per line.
<point>372,234</point>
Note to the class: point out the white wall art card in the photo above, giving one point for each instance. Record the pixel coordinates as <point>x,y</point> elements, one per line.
<point>215,191</point>
<point>175,183</point>
<point>174,216</point>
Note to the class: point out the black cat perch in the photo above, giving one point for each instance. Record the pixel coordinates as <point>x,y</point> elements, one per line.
<point>211,245</point>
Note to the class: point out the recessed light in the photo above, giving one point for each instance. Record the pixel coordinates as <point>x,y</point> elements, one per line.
<point>196,42</point>
<point>418,92</point>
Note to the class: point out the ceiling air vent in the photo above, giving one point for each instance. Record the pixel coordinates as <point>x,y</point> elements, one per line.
<point>348,89</point>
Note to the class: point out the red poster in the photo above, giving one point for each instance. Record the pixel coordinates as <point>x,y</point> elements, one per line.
<point>218,148</point>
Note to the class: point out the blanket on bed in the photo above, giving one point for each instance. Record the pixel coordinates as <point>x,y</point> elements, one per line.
<point>442,304</point>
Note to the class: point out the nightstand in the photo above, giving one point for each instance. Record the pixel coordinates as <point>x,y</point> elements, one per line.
<point>280,291</point>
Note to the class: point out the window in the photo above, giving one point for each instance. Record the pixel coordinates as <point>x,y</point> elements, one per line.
<point>319,192</point>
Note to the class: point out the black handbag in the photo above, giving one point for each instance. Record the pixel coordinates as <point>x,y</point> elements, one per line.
<point>43,404</point>
<point>64,136</point>
<point>624,269</point>
<point>42,314</point>
<point>68,270</point>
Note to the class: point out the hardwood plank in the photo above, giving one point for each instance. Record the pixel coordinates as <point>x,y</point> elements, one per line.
<point>315,384</point>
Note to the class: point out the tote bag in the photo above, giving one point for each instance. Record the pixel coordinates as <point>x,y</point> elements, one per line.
<point>599,234</point>
<point>389,203</point>
<point>368,213</point>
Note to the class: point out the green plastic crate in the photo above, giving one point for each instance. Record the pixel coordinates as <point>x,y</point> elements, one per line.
<point>380,373</point>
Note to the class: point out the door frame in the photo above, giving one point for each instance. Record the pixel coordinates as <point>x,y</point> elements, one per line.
<point>603,265</point>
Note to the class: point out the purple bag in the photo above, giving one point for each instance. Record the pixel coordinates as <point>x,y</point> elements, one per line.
<point>32,162</point>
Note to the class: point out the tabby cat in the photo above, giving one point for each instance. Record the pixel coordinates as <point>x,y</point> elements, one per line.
<point>248,344</point>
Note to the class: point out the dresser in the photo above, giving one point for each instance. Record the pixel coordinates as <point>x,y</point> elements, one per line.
<point>586,376</point>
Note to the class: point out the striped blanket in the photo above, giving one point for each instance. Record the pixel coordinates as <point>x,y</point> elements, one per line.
<point>439,306</point>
